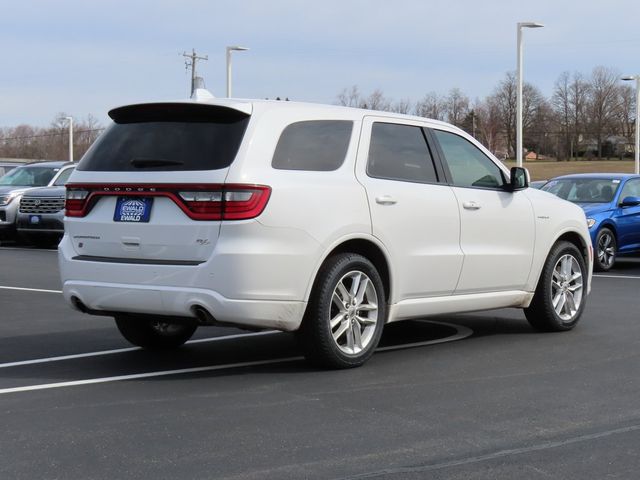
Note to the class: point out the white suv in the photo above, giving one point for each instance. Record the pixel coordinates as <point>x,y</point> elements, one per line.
<point>324,220</point>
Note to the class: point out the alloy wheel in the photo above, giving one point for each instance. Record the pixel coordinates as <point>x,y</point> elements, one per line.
<point>354,312</point>
<point>606,250</point>
<point>566,287</point>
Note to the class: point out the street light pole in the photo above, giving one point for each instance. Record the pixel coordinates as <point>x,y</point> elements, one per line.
<point>521,25</point>
<point>637,146</point>
<point>70,138</point>
<point>234,48</point>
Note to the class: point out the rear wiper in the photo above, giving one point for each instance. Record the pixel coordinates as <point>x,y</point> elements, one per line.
<point>153,162</point>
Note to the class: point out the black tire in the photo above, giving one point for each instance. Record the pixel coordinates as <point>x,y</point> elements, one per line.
<point>560,284</point>
<point>606,249</point>
<point>154,334</point>
<point>361,327</point>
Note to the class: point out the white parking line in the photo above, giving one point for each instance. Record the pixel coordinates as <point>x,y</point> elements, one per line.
<point>461,332</point>
<point>42,290</point>
<point>29,249</point>
<point>124,350</point>
<point>89,381</point>
<point>618,276</point>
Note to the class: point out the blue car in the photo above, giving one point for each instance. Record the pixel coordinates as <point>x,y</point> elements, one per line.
<point>611,203</point>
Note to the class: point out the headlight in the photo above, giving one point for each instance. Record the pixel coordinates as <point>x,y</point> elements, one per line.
<point>6,199</point>
<point>591,222</point>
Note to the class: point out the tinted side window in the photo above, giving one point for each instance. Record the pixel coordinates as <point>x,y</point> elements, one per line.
<point>64,176</point>
<point>318,145</point>
<point>469,167</point>
<point>400,152</point>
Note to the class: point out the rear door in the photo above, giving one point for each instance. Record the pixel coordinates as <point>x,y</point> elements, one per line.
<point>148,189</point>
<point>413,213</point>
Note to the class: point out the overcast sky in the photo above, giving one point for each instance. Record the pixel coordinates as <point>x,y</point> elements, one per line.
<point>85,57</point>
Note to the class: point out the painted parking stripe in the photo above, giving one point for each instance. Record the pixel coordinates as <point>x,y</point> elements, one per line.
<point>23,249</point>
<point>461,332</point>
<point>41,290</point>
<point>119,378</point>
<point>124,350</point>
<point>618,276</point>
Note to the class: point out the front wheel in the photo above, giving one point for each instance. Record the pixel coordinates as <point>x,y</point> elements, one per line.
<point>561,293</point>
<point>606,247</point>
<point>154,334</point>
<point>346,313</point>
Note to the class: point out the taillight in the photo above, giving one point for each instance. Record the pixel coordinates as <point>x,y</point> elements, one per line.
<point>75,202</point>
<point>198,202</point>
<point>243,202</point>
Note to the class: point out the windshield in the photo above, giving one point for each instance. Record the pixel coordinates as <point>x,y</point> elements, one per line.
<point>29,176</point>
<point>584,190</point>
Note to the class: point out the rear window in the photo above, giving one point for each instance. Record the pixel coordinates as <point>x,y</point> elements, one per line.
<point>167,137</point>
<point>317,145</point>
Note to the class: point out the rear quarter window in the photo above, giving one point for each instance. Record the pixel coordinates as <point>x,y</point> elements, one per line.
<point>316,145</point>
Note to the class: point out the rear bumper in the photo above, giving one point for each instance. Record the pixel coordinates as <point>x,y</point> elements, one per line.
<point>182,302</point>
<point>249,280</point>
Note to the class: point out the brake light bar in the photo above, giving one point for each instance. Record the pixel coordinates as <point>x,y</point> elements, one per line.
<point>197,201</point>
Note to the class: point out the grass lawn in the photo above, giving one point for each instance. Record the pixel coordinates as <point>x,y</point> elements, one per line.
<point>544,170</point>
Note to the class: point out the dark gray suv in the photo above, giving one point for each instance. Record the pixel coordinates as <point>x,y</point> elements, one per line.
<point>40,217</point>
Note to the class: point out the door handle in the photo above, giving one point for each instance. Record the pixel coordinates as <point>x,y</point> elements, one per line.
<point>471,205</point>
<point>386,200</point>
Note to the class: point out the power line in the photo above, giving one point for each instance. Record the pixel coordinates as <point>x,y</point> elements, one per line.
<point>2,139</point>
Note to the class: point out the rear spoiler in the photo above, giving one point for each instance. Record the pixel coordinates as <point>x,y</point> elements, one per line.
<point>186,111</point>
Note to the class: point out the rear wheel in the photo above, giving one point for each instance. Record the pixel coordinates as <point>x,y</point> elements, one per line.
<point>346,313</point>
<point>561,294</point>
<point>606,249</point>
<point>154,334</point>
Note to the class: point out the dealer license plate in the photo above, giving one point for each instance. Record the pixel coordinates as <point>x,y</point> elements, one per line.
<point>133,209</point>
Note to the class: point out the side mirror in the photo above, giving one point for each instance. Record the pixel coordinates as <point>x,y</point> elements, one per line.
<point>630,202</point>
<point>518,179</point>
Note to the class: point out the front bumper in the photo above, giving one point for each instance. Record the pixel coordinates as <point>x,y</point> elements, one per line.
<point>40,223</point>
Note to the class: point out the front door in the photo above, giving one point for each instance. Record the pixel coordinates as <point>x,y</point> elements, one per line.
<point>628,218</point>
<point>497,226</point>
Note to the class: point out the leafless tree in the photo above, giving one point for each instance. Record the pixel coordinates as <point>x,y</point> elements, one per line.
<point>50,143</point>
<point>402,106</point>
<point>431,106</point>
<point>626,112</point>
<point>350,97</point>
<point>604,104</point>
<point>489,126</point>
<point>376,101</point>
<point>457,106</point>
<point>505,96</point>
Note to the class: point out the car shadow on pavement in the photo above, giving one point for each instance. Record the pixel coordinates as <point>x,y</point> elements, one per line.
<point>225,356</point>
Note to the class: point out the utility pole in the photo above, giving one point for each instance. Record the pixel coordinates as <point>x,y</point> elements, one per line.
<point>193,58</point>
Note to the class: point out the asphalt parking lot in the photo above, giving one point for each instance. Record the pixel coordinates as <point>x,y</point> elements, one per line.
<point>457,397</point>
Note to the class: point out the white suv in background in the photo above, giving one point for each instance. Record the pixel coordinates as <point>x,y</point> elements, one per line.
<point>324,220</point>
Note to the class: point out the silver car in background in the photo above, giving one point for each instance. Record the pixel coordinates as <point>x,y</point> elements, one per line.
<point>15,183</point>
